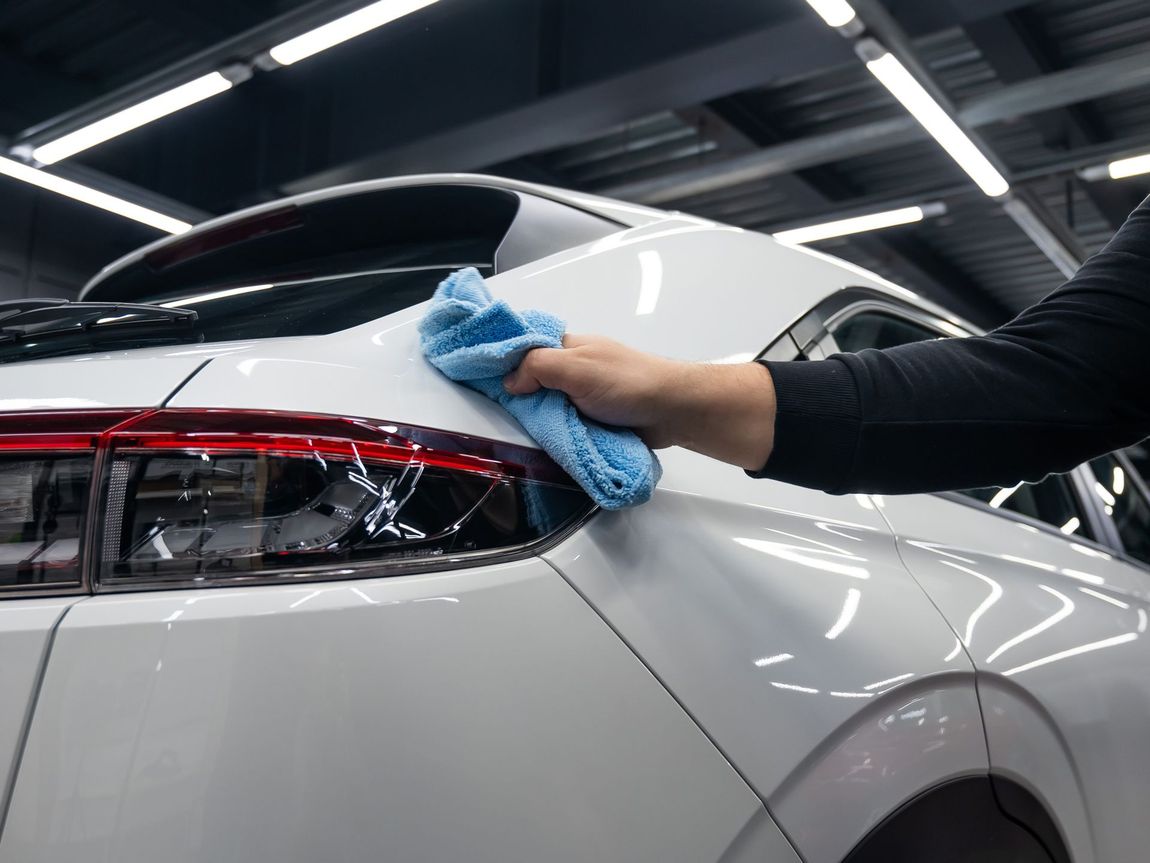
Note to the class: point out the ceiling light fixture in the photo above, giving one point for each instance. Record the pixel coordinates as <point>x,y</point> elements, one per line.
<point>77,192</point>
<point>893,75</point>
<point>342,29</point>
<point>837,13</point>
<point>133,117</point>
<point>858,224</point>
<point>1132,167</point>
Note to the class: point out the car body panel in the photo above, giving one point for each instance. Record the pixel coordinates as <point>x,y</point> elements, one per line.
<point>121,379</point>
<point>640,286</point>
<point>785,623</point>
<point>1058,630</point>
<point>26,628</point>
<point>481,715</point>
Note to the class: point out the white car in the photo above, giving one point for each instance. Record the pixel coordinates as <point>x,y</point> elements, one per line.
<point>272,588</point>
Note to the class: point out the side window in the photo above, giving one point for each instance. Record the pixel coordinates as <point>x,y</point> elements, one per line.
<point>879,330</point>
<point>1124,502</point>
<point>1051,501</point>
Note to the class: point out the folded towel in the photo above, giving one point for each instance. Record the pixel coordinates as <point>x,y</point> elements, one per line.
<point>476,340</point>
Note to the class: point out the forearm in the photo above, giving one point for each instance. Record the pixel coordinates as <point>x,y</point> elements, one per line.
<point>726,412</point>
<point>1063,382</point>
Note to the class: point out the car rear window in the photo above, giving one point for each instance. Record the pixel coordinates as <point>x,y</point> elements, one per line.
<point>324,266</point>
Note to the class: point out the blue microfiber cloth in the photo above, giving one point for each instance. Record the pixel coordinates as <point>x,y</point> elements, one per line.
<point>476,340</point>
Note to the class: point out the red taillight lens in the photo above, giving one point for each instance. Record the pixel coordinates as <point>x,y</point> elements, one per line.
<point>201,496</point>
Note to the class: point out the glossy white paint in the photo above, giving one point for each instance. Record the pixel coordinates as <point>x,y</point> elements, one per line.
<point>124,379</point>
<point>481,715</point>
<point>1057,628</point>
<point>26,627</point>
<point>784,622</point>
<point>610,287</point>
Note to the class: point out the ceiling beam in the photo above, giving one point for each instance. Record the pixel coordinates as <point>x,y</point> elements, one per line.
<point>241,46</point>
<point>1015,100</point>
<point>797,46</point>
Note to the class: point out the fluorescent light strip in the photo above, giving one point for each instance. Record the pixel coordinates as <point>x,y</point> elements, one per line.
<point>137,115</point>
<point>903,86</point>
<point>837,13</point>
<point>855,225</point>
<point>77,192</point>
<point>1131,167</point>
<point>342,29</point>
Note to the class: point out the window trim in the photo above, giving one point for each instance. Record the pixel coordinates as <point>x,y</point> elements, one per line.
<point>839,307</point>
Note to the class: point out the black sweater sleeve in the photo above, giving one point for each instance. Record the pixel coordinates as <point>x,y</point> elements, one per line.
<point>1066,380</point>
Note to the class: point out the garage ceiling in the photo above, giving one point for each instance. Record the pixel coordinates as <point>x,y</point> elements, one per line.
<point>748,111</point>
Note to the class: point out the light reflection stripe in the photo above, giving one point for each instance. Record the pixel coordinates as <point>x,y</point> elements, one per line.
<point>794,687</point>
<point>1062,613</point>
<point>773,660</point>
<point>850,607</point>
<point>984,606</point>
<point>1099,595</point>
<point>888,681</point>
<point>1074,651</point>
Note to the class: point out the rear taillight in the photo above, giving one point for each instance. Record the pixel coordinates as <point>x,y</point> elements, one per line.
<point>216,496</point>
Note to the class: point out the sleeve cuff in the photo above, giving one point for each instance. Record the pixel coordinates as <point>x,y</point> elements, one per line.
<point>817,423</point>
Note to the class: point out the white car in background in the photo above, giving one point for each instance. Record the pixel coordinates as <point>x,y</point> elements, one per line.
<point>272,588</point>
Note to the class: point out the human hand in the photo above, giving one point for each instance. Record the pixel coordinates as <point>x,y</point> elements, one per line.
<point>724,411</point>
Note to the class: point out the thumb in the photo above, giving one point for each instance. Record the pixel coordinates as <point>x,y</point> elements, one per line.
<point>540,367</point>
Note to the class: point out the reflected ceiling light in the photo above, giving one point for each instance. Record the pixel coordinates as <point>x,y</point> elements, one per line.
<point>87,195</point>
<point>1104,493</point>
<point>131,118</point>
<point>794,687</point>
<point>342,29</point>
<point>1065,611</point>
<point>1132,167</point>
<point>650,283</point>
<point>1072,525</point>
<point>215,295</point>
<point>854,225</point>
<point>1118,480</point>
<point>893,75</point>
<point>850,607</point>
<point>882,683</point>
<point>1002,495</point>
<point>772,660</point>
<point>1074,651</point>
<point>837,13</point>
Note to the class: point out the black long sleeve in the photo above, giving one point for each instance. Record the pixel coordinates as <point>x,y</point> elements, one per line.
<point>1066,380</point>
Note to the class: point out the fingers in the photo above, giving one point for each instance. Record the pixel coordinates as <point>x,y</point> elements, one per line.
<point>541,367</point>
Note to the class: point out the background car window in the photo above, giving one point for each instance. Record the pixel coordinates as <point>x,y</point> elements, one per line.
<point>879,330</point>
<point>1139,456</point>
<point>1051,501</point>
<point>1125,504</point>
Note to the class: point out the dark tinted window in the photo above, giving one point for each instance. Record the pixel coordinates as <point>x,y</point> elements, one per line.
<point>1052,501</point>
<point>321,267</point>
<point>879,330</point>
<point>1139,456</point>
<point>1124,502</point>
<point>312,307</point>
